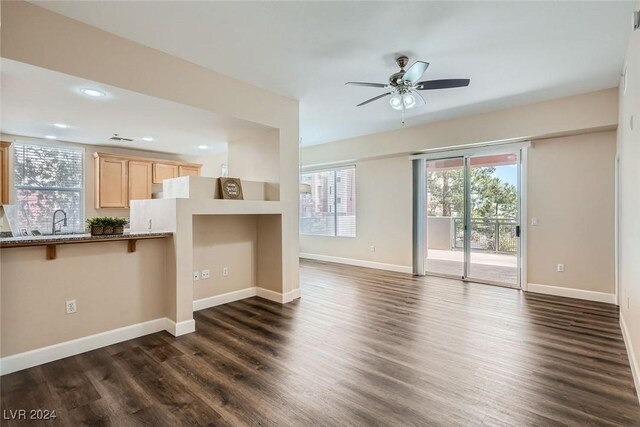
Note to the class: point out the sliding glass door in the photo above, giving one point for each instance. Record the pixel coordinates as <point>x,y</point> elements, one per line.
<point>445,217</point>
<point>473,218</point>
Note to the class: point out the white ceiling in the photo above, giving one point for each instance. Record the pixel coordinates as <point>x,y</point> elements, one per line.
<point>514,52</point>
<point>33,99</point>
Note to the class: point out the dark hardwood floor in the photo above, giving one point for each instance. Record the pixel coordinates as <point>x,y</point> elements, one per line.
<point>362,347</point>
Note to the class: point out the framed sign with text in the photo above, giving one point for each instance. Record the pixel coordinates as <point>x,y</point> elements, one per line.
<point>231,188</point>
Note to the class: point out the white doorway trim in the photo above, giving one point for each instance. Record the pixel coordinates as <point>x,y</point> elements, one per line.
<point>524,216</point>
<point>616,227</point>
<point>490,148</point>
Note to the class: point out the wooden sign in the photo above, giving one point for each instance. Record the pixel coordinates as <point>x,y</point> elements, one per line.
<point>230,188</point>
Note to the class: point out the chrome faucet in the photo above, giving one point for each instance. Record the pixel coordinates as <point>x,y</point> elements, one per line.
<point>63,221</point>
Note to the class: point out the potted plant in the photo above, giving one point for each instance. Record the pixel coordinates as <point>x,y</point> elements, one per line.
<point>106,225</point>
<point>95,224</point>
<point>118,224</point>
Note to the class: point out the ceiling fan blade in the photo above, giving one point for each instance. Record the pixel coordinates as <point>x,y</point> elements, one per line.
<point>366,84</point>
<point>442,84</point>
<point>374,98</point>
<point>415,71</point>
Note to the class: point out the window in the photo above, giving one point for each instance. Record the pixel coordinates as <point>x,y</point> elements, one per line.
<point>328,202</point>
<point>47,178</point>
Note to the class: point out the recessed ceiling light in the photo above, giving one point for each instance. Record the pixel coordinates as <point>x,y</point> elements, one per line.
<point>50,137</point>
<point>147,138</point>
<point>61,125</point>
<point>203,147</point>
<point>93,92</point>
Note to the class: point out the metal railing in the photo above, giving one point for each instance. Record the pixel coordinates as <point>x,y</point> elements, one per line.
<point>487,234</point>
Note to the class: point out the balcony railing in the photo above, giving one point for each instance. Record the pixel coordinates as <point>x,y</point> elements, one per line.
<point>487,234</point>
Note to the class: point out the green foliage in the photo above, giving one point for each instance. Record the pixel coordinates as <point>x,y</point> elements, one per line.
<point>95,221</point>
<point>118,222</point>
<point>106,221</point>
<point>490,196</point>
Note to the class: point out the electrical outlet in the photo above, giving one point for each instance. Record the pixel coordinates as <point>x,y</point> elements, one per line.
<point>534,221</point>
<point>71,306</point>
<point>372,248</point>
<point>560,268</point>
<point>225,271</point>
<point>196,276</point>
<point>205,274</point>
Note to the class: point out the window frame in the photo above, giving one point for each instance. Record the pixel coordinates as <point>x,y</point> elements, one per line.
<point>83,169</point>
<point>334,169</point>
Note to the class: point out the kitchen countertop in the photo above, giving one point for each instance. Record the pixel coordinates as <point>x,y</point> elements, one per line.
<point>77,238</point>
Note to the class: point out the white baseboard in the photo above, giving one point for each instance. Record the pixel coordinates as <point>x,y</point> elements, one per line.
<point>359,263</point>
<point>253,291</point>
<point>277,296</point>
<point>28,359</point>
<point>201,304</point>
<point>180,328</point>
<point>270,295</point>
<point>291,295</point>
<point>572,293</point>
<point>633,361</point>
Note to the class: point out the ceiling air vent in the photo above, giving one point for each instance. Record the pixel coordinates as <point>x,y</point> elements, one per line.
<point>118,138</point>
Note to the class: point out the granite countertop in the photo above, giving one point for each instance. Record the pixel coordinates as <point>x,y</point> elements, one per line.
<point>72,238</point>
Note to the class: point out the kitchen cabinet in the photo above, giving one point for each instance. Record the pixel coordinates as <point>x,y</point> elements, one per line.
<point>139,180</point>
<point>4,173</point>
<point>162,171</point>
<point>189,171</point>
<point>120,178</point>
<point>111,185</point>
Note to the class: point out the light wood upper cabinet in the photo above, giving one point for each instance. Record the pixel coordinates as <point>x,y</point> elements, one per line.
<point>139,180</point>
<point>162,171</point>
<point>4,173</point>
<point>111,185</point>
<point>189,171</point>
<point>120,179</point>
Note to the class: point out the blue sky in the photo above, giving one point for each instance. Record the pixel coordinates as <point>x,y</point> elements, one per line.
<point>508,173</point>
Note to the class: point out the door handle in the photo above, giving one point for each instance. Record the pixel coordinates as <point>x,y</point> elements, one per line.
<point>517,231</point>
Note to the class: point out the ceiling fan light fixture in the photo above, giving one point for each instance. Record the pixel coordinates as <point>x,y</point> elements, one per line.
<point>396,102</point>
<point>409,100</point>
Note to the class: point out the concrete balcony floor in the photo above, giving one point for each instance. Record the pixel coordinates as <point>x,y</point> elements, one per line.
<point>489,266</point>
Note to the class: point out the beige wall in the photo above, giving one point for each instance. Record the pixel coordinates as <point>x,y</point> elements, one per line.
<point>112,288</point>
<point>212,164</point>
<point>383,216</point>
<point>590,111</point>
<point>246,244</point>
<point>558,171</point>
<point>39,37</point>
<point>629,204</point>
<point>571,193</point>
<point>256,158</point>
<point>224,241</point>
<point>36,36</point>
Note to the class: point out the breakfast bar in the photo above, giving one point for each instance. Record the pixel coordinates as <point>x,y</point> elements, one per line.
<point>52,241</point>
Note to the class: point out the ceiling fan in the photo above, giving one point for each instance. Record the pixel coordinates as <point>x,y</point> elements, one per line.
<point>404,85</point>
